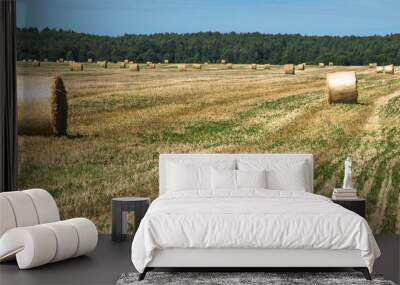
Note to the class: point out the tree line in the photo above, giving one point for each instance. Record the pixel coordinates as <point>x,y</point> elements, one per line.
<point>209,47</point>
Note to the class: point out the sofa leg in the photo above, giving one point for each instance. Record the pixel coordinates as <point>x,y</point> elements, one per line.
<point>365,272</point>
<point>143,274</point>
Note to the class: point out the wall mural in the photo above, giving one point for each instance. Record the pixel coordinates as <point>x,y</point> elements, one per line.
<point>96,110</point>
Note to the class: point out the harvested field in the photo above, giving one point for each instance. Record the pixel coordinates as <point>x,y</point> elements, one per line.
<point>119,122</point>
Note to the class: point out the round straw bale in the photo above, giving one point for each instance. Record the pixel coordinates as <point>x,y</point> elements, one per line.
<point>389,69</point>
<point>166,61</point>
<point>122,64</point>
<point>151,66</point>
<point>103,64</point>
<point>267,66</point>
<point>182,67</point>
<point>134,67</point>
<point>321,65</point>
<point>342,87</point>
<point>289,69</point>
<point>36,63</point>
<point>90,60</point>
<point>229,66</point>
<point>301,66</point>
<point>373,65</point>
<point>379,69</point>
<point>30,60</point>
<point>254,66</point>
<point>46,60</point>
<point>196,66</point>
<point>76,66</point>
<point>61,60</point>
<point>126,61</point>
<point>330,63</point>
<point>42,106</point>
<point>223,61</point>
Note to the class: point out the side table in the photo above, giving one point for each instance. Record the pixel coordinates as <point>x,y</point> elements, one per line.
<point>358,205</point>
<point>119,208</point>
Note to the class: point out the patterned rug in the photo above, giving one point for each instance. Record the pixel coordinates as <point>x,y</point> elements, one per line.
<point>244,278</point>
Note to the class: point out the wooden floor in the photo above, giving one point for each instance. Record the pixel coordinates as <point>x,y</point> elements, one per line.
<point>110,260</point>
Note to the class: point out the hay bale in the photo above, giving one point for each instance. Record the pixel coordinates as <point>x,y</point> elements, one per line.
<point>166,61</point>
<point>379,69</point>
<point>151,66</point>
<point>342,87</point>
<point>267,66</point>
<point>131,62</point>
<point>126,61</point>
<point>301,66</point>
<point>223,61</point>
<point>229,66</point>
<point>182,67</point>
<point>61,60</point>
<point>90,60</point>
<point>36,63</point>
<point>103,64</point>
<point>148,63</point>
<point>196,66</point>
<point>122,64</point>
<point>76,66</point>
<point>42,106</point>
<point>389,69</point>
<point>46,60</point>
<point>289,69</point>
<point>134,67</point>
<point>254,66</point>
<point>330,63</point>
<point>321,65</point>
<point>372,65</point>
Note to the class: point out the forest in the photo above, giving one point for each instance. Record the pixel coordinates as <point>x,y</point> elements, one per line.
<point>209,47</point>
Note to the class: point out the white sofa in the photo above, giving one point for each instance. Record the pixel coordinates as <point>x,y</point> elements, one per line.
<point>31,231</point>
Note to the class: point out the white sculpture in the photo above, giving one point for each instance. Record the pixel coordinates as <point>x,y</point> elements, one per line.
<point>347,174</point>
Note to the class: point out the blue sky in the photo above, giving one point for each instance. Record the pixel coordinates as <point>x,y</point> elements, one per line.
<point>118,17</point>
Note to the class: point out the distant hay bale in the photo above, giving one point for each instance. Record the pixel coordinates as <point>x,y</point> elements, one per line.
<point>373,65</point>
<point>148,63</point>
<point>122,64</point>
<point>134,67</point>
<point>321,65</point>
<point>289,69</point>
<point>223,61</point>
<point>24,60</point>
<point>103,64</point>
<point>267,66</point>
<point>342,87</point>
<point>46,60</point>
<point>196,66</point>
<point>182,67</point>
<point>61,60</point>
<point>42,106</point>
<point>206,62</point>
<point>36,63</point>
<point>166,61</point>
<point>151,66</point>
<point>229,66</point>
<point>76,66</point>
<point>389,69</point>
<point>379,69</point>
<point>254,66</point>
<point>126,61</point>
<point>30,60</point>
<point>330,63</point>
<point>90,60</point>
<point>301,66</point>
<point>131,62</point>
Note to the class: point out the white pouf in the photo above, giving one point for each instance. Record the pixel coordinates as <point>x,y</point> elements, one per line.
<point>31,230</point>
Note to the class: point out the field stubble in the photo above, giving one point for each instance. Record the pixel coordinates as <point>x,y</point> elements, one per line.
<point>119,122</point>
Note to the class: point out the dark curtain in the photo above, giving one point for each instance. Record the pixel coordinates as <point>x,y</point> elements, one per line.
<point>8,97</point>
